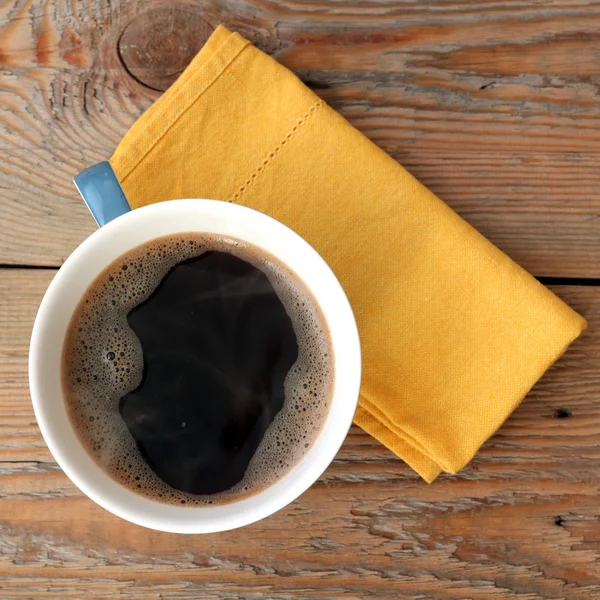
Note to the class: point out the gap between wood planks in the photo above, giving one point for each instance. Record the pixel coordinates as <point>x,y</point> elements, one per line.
<point>578,281</point>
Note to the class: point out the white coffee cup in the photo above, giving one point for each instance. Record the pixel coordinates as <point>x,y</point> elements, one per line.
<point>78,272</point>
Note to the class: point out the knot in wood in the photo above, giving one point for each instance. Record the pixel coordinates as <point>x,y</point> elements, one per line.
<point>157,45</point>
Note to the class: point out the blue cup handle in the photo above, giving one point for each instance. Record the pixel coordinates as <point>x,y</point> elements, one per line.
<point>102,193</point>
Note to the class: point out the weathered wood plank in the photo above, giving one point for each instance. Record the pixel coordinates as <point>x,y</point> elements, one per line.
<point>520,522</point>
<point>491,104</point>
<point>494,105</point>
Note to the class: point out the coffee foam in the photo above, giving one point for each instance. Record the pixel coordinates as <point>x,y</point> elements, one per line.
<point>103,361</point>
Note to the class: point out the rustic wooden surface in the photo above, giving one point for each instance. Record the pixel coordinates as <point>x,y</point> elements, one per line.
<point>491,103</point>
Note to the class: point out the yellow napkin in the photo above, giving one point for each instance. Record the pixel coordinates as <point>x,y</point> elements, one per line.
<point>453,332</point>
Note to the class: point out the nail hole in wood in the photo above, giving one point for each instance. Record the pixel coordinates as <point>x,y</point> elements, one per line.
<point>562,413</point>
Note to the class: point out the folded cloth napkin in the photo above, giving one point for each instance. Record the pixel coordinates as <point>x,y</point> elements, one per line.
<point>453,333</point>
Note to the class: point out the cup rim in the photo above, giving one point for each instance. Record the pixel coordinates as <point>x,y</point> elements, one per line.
<point>88,476</point>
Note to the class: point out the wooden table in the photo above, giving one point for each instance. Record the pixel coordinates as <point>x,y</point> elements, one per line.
<point>495,106</point>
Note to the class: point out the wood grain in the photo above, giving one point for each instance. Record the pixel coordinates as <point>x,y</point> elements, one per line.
<point>494,105</point>
<point>491,103</point>
<point>521,521</point>
<point>158,45</point>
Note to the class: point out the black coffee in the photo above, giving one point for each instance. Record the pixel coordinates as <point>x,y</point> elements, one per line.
<point>197,370</point>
